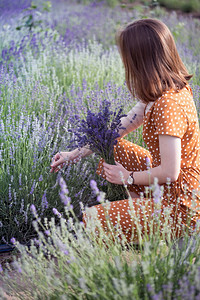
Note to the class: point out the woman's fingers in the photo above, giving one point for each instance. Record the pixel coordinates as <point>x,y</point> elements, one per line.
<point>55,158</point>
<point>115,173</point>
<point>56,168</point>
<point>107,167</point>
<point>57,163</point>
<point>109,173</point>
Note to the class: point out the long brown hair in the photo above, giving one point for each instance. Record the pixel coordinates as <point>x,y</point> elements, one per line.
<point>151,60</point>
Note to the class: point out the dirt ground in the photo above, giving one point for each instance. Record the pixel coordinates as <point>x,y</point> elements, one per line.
<point>6,258</point>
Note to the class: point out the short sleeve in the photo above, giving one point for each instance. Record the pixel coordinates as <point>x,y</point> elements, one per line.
<point>169,118</point>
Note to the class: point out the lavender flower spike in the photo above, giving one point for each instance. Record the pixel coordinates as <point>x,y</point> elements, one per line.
<point>94,187</point>
<point>63,186</point>
<point>13,240</point>
<point>157,192</point>
<point>33,209</point>
<point>64,192</point>
<point>56,212</point>
<point>148,163</point>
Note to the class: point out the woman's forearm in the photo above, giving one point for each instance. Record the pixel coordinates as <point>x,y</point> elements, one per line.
<point>147,177</point>
<point>170,153</point>
<point>133,120</point>
<point>81,152</point>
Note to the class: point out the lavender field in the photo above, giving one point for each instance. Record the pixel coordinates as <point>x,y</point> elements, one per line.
<point>57,59</point>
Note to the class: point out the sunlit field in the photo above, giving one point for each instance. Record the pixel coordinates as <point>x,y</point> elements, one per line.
<point>59,59</point>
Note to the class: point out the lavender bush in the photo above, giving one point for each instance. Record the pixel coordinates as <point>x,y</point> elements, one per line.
<point>66,260</point>
<point>67,63</point>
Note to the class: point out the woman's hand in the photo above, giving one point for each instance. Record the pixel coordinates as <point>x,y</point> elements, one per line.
<point>62,158</point>
<point>116,173</point>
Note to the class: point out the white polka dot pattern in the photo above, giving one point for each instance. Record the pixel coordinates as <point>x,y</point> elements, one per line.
<point>169,118</point>
<point>172,114</point>
<point>175,114</point>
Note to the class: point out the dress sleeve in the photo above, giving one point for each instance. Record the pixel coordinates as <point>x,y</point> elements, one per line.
<point>170,118</point>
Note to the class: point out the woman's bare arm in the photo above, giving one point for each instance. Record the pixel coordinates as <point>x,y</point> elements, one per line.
<point>133,120</point>
<point>170,154</point>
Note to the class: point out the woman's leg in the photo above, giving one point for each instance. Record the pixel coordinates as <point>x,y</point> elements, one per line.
<point>134,218</point>
<point>123,217</point>
<point>134,195</point>
<point>129,215</point>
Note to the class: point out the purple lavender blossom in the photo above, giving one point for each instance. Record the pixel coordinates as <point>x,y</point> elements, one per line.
<point>148,162</point>
<point>47,232</point>
<point>63,186</point>
<point>94,187</point>
<point>64,192</point>
<point>40,178</point>
<point>10,193</point>
<point>45,203</point>
<point>56,212</point>
<point>33,209</point>
<point>62,247</point>
<point>65,199</point>
<point>157,192</point>
<point>13,7</point>
<point>100,131</point>
<point>149,287</point>
<point>32,188</point>
<point>13,240</point>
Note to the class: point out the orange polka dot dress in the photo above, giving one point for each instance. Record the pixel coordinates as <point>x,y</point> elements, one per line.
<point>174,114</point>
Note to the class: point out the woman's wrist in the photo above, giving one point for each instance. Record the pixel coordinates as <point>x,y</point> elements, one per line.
<point>81,152</point>
<point>130,179</point>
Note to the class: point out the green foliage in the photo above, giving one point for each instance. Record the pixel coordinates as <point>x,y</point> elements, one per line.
<point>70,261</point>
<point>28,21</point>
<point>111,3</point>
<point>38,87</point>
<point>184,5</point>
<point>46,6</point>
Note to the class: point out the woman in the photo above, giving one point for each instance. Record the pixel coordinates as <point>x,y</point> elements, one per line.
<point>155,75</point>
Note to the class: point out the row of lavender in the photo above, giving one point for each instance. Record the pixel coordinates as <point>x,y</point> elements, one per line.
<point>68,261</point>
<point>60,66</point>
<point>55,66</point>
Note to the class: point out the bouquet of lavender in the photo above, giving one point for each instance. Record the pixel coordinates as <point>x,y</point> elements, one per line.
<point>100,132</point>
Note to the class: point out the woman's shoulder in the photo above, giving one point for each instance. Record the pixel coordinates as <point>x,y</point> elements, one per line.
<point>182,98</point>
<point>180,101</point>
